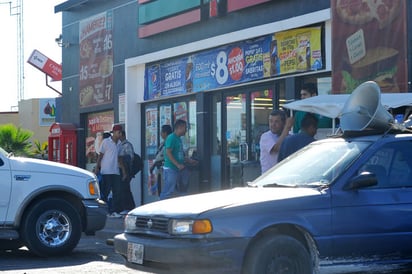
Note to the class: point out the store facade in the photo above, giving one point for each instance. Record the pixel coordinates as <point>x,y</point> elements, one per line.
<point>220,65</point>
<point>227,106</point>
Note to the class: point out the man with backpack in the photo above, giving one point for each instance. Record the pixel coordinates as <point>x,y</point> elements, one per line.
<point>126,156</point>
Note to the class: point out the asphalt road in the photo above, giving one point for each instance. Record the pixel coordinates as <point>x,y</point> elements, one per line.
<point>92,255</point>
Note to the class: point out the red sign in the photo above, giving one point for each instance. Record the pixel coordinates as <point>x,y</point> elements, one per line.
<point>46,65</point>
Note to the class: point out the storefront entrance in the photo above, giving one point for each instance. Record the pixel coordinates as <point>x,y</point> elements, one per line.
<point>239,118</point>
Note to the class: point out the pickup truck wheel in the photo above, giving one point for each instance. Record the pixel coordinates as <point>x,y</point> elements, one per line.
<point>278,254</point>
<point>51,227</point>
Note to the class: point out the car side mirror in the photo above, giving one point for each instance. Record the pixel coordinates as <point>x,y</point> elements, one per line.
<point>365,179</point>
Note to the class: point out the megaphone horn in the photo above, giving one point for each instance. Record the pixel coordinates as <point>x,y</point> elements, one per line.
<point>363,109</point>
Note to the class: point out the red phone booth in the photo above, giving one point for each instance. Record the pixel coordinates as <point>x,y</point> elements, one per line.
<point>63,143</point>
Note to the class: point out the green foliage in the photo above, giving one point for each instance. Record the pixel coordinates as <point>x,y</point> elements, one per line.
<point>40,150</point>
<point>15,139</point>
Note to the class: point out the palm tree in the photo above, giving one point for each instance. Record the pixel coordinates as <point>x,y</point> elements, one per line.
<point>40,149</point>
<point>15,139</point>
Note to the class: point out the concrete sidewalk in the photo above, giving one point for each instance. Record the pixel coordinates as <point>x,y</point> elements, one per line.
<point>113,226</point>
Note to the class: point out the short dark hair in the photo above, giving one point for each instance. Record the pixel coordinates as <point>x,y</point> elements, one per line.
<point>278,112</point>
<point>311,88</point>
<point>167,129</point>
<point>309,120</point>
<point>180,123</point>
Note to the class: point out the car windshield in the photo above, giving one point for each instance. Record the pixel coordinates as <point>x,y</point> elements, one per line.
<point>318,164</point>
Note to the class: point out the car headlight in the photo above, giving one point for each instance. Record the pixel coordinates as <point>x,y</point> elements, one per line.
<point>184,227</point>
<point>130,223</point>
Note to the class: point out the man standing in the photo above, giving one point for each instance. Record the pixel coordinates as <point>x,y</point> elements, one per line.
<point>108,165</point>
<point>309,90</point>
<point>175,173</point>
<point>306,135</point>
<point>126,156</point>
<point>271,140</point>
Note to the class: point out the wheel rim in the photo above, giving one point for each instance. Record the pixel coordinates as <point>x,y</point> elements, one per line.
<point>53,228</point>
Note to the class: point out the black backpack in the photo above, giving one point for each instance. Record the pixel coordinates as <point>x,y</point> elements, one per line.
<point>137,164</point>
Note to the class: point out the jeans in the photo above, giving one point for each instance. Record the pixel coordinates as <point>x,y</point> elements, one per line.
<point>176,182</point>
<point>111,182</point>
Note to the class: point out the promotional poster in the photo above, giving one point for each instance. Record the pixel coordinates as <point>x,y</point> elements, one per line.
<point>369,43</point>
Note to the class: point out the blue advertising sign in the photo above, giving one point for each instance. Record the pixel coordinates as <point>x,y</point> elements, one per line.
<point>172,77</point>
<point>153,82</point>
<point>224,66</point>
<point>232,64</point>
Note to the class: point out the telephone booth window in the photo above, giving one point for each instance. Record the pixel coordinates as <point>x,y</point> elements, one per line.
<point>56,150</point>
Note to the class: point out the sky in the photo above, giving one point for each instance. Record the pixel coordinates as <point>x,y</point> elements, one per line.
<point>41,26</point>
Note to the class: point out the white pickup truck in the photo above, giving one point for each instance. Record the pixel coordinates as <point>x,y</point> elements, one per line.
<point>46,206</point>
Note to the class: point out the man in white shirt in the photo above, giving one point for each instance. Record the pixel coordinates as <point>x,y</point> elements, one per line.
<point>108,165</point>
<point>271,140</point>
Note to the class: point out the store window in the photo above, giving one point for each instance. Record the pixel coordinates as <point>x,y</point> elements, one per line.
<point>244,118</point>
<point>167,113</point>
<point>261,106</point>
<point>236,127</point>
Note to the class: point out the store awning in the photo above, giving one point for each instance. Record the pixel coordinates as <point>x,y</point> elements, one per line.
<point>331,105</point>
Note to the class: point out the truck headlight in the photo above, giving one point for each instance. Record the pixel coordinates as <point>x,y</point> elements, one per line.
<point>93,188</point>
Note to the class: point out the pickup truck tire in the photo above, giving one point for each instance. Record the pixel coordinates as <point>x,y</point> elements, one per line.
<point>278,254</point>
<point>51,227</point>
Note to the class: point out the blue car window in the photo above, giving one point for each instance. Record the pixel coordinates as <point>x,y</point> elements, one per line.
<point>391,165</point>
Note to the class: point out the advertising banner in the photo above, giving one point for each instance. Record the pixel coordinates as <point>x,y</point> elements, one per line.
<point>369,43</point>
<point>47,111</point>
<point>286,52</point>
<point>226,66</point>
<point>165,112</point>
<point>96,60</point>
<point>97,124</point>
<point>298,50</point>
<point>151,130</point>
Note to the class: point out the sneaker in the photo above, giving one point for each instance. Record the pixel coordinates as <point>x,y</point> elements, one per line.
<point>114,215</point>
<point>124,212</point>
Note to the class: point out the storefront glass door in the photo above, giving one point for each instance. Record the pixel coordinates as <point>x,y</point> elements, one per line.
<point>239,119</point>
<point>236,138</point>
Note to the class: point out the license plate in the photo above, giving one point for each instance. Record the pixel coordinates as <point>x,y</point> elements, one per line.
<point>135,253</point>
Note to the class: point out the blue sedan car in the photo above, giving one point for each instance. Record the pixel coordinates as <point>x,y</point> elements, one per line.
<point>343,199</point>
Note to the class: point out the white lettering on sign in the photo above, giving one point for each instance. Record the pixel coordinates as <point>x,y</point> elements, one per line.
<point>46,65</point>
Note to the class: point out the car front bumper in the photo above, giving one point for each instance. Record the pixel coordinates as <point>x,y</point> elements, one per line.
<point>223,255</point>
<point>95,215</point>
